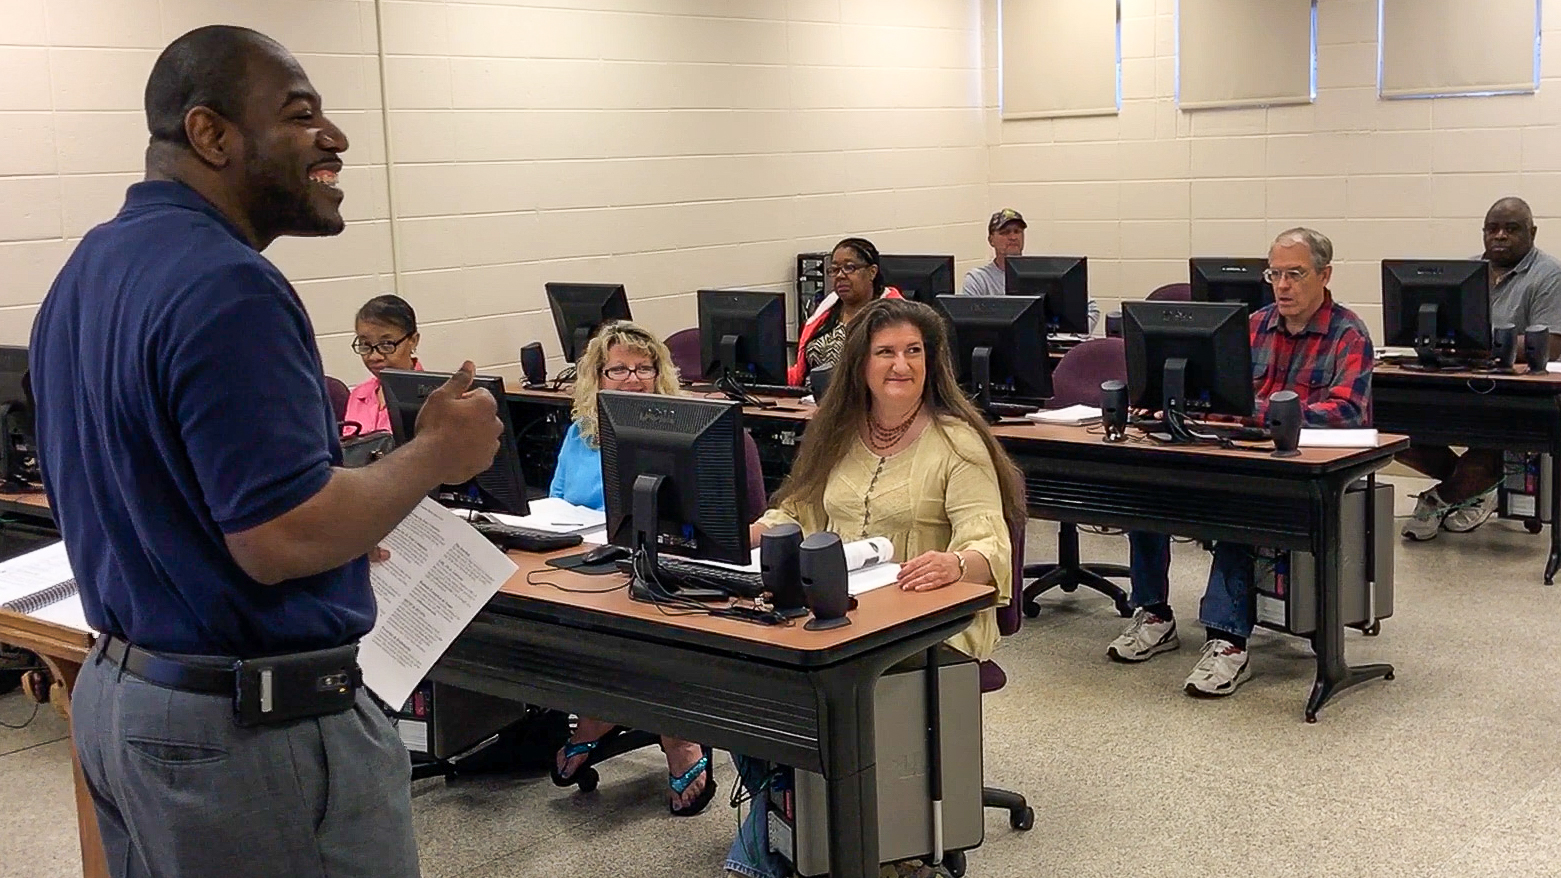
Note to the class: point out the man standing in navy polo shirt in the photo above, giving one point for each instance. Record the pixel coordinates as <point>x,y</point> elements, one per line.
<point>192,461</point>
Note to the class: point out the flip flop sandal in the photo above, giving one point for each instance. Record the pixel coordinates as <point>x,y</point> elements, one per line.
<point>617,741</point>
<point>679,783</point>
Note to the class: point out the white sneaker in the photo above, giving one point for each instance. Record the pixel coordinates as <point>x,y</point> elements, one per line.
<point>1471,513</point>
<point>1145,638</point>
<point>1427,518</point>
<point>1222,668</point>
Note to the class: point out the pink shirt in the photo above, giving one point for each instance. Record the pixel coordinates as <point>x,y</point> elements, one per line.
<point>363,407</point>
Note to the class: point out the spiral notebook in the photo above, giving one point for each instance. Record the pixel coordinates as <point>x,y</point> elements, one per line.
<point>38,583</point>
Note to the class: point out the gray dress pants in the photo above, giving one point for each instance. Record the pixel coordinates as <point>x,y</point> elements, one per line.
<point>182,792</point>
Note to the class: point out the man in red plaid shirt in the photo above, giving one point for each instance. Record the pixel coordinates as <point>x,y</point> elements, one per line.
<point>1305,342</point>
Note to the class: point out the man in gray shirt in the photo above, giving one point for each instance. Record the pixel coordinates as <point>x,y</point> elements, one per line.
<point>1525,285</point>
<point>1005,232</point>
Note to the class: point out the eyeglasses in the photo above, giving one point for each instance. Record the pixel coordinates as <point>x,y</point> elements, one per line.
<point>384,348</point>
<point>845,268</point>
<point>1293,275</point>
<point>622,373</point>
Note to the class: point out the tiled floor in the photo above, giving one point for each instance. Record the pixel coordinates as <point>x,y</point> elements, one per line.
<point>1452,769</point>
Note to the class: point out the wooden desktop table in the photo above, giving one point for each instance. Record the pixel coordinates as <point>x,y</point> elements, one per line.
<point>782,694</point>
<point>1516,412</point>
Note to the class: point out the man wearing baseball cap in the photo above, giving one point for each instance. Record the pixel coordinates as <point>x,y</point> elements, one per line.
<point>1005,232</point>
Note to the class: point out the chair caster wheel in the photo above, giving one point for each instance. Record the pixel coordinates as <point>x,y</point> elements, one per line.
<point>1373,629</point>
<point>1022,819</point>
<point>1032,609</point>
<point>1533,525</point>
<point>954,862</point>
<point>587,779</point>
<point>1388,675</point>
<point>1125,611</point>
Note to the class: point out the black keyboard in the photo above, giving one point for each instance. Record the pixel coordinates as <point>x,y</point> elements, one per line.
<point>785,390</point>
<point>702,582</point>
<point>525,539</point>
<point>1234,432</point>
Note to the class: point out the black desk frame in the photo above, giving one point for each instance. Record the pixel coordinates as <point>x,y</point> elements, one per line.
<point>1258,501</point>
<point>809,710</point>
<point>1477,413</point>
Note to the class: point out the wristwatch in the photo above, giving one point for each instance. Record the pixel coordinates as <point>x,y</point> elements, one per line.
<point>961,559</point>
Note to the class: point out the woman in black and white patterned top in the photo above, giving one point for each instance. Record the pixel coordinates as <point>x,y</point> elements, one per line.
<point>855,280</point>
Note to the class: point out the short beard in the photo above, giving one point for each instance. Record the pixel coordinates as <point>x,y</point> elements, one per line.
<point>281,207</point>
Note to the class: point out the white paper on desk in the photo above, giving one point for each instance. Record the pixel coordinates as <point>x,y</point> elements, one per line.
<point>1338,438</point>
<point>556,515</point>
<point>869,578</point>
<point>1073,415</point>
<point>1553,367</point>
<point>68,612</point>
<point>440,572</point>
<point>34,572</point>
<point>860,554</point>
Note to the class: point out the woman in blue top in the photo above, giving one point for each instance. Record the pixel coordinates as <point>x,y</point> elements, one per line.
<point>623,357</point>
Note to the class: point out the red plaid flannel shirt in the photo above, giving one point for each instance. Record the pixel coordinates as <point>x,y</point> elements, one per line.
<point>1327,364</point>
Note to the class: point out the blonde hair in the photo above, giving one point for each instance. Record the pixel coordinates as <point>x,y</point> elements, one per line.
<point>588,372</point>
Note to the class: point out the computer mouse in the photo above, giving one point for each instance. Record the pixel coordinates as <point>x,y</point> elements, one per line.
<point>603,555</point>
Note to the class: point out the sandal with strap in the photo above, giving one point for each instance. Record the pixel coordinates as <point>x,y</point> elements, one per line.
<point>680,782</point>
<point>611,744</point>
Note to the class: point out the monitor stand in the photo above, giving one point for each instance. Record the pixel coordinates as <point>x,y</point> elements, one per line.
<point>1173,403</point>
<point>981,377</point>
<point>646,506</point>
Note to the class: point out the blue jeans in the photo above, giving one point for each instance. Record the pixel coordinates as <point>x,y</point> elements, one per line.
<point>1226,605</point>
<point>750,854</point>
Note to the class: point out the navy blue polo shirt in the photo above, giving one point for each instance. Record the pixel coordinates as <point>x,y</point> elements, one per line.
<point>180,398</point>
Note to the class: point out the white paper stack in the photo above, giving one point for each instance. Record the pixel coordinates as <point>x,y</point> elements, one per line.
<point>1072,416</point>
<point>556,515</point>
<point>1338,438</point>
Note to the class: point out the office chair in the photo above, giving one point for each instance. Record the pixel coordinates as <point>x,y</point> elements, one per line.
<point>1171,293</point>
<point>684,346</point>
<point>1076,381</point>
<point>337,390</point>
<point>1020,815</point>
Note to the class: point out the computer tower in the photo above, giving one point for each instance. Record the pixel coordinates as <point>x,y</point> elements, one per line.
<point>798,818</point>
<point>440,721</point>
<point>1285,586</point>
<point>1524,491</point>
<point>811,288</point>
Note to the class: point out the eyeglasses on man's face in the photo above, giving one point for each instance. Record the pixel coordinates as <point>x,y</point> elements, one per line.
<point>363,347</point>
<point>1293,275</point>
<point>622,373</point>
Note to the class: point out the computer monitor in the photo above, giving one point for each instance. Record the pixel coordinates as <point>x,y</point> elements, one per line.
<point>1234,279</point>
<point>18,454</point>
<point>580,309</point>
<point>1000,348</point>
<point>1188,357</point>
<point>742,336</point>
<point>918,278</point>
<point>674,476</point>
<point>1440,307</point>
<point>499,488</point>
<point>1062,280</point>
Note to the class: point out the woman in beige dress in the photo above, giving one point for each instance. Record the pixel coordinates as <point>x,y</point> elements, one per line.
<point>896,450</point>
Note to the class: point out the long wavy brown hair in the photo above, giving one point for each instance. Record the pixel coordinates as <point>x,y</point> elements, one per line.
<point>844,409</point>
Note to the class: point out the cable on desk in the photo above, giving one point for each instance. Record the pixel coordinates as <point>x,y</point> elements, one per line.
<point>532,580</point>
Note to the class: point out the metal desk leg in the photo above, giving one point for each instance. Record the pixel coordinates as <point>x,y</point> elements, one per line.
<point>1554,561</point>
<point>850,772</point>
<point>1333,674</point>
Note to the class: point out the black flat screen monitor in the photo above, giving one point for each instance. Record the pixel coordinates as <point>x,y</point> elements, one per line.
<point>1188,357</point>
<point>999,348</point>
<point>674,476</point>
<point>918,278</point>
<point>1440,307</point>
<point>1062,280</point>
<point>18,460</point>
<point>1219,279</point>
<point>742,334</point>
<point>580,309</point>
<point>499,488</point>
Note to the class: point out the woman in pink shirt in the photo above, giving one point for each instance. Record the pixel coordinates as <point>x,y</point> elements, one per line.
<point>386,328</point>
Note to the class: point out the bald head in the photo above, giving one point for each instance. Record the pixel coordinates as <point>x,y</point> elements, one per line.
<point>1509,232</point>
<point>207,67</point>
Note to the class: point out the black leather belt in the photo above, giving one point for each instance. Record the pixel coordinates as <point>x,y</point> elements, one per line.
<point>165,670</point>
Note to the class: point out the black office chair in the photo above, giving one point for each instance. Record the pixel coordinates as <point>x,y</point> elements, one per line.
<point>1020,815</point>
<point>1076,381</point>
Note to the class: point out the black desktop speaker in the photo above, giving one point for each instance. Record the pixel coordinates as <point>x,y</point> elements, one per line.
<point>818,382</point>
<point>1114,324</point>
<point>1536,347</point>
<point>534,363</point>
<point>1284,423</point>
<point>1504,346</point>
<point>821,560</point>
<point>779,549</point>
<point>1113,410</point>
